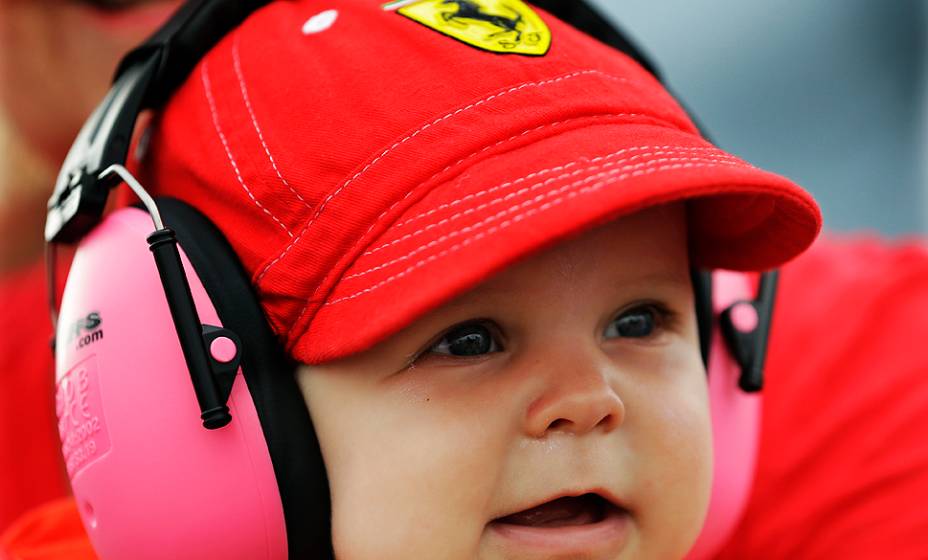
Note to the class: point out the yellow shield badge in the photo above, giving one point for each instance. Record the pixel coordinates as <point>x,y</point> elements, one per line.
<point>502,26</point>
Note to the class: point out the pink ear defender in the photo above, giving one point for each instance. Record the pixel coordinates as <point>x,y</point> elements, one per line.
<point>151,482</point>
<point>735,367</point>
<point>145,346</point>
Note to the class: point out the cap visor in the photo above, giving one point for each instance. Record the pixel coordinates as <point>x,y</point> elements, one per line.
<point>510,205</point>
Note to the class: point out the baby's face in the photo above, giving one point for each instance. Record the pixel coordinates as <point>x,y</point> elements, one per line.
<point>558,410</point>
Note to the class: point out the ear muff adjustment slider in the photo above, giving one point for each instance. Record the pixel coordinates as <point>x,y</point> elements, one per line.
<point>212,379</point>
<point>746,328</point>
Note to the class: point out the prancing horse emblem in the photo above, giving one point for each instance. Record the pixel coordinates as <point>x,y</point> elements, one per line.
<point>468,9</point>
<point>503,26</point>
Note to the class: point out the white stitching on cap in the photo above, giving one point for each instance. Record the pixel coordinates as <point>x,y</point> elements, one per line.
<point>507,184</point>
<point>418,131</point>
<point>542,172</point>
<point>458,162</point>
<point>481,193</point>
<point>237,64</point>
<point>518,218</point>
<point>477,153</point>
<point>587,178</point>
<point>207,85</point>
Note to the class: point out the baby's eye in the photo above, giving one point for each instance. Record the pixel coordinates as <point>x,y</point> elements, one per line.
<point>639,322</point>
<point>469,339</point>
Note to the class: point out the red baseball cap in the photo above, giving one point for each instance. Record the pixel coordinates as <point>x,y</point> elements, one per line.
<point>368,162</point>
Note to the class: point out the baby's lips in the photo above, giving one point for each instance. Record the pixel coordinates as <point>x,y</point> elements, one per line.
<point>581,524</point>
<point>568,510</point>
<point>565,508</point>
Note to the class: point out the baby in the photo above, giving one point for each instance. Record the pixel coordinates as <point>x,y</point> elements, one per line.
<point>474,227</point>
<point>557,410</point>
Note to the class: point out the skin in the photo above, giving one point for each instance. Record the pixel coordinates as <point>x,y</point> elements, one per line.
<point>56,63</point>
<point>425,449</point>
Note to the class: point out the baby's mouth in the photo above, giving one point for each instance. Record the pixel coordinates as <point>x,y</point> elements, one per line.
<point>589,525</point>
<point>563,512</point>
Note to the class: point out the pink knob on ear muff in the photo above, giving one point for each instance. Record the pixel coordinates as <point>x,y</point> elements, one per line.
<point>223,349</point>
<point>744,317</point>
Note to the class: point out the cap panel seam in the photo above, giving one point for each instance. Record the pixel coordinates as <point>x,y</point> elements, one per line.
<point>208,90</point>
<point>412,135</point>
<point>529,212</point>
<point>237,66</point>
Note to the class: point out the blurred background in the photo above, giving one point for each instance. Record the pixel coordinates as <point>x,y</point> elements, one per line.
<point>830,93</point>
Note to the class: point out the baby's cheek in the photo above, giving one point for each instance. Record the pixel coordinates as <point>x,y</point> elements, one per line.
<point>680,479</point>
<point>413,491</point>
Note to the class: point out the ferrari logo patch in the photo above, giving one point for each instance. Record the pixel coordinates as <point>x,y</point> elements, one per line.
<point>502,26</point>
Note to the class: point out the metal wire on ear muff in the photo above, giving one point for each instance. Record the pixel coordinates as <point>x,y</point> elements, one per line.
<point>212,375</point>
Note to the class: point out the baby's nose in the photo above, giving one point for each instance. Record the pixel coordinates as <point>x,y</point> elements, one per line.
<point>578,398</point>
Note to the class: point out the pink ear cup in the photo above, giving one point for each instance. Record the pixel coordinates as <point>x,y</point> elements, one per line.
<point>149,480</point>
<point>735,427</point>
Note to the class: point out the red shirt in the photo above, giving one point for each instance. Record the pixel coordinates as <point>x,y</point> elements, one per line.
<point>50,532</point>
<point>30,457</point>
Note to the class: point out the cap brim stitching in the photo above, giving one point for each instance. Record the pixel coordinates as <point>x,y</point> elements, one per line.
<point>709,157</point>
<point>511,195</point>
<point>519,217</point>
